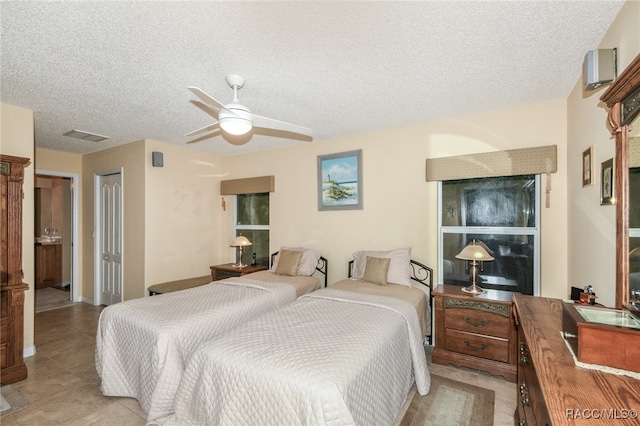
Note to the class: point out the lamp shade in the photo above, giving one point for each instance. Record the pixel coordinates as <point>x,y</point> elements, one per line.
<point>474,251</point>
<point>240,242</point>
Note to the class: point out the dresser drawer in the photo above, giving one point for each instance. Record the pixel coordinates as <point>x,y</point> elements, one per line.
<point>491,319</point>
<point>477,345</point>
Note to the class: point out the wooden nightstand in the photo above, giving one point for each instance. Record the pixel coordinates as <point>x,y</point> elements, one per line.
<point>220,272</point>
<point>477,332</point>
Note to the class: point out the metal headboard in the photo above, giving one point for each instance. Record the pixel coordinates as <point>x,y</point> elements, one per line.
<point>322,266</point>
<point>422,274</point>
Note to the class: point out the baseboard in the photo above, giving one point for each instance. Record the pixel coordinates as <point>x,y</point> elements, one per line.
<point>27,352</point>
<point>88,300</point>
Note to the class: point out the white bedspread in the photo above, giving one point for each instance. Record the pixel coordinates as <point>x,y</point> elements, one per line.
<point>142,345</point>
<point>331,358</point>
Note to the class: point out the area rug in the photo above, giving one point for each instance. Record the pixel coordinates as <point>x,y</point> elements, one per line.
<point>11,400</point>
<point>49,298</point>
<point>450,403</point>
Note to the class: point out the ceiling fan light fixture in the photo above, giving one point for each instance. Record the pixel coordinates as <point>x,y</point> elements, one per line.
<point>235,125</point>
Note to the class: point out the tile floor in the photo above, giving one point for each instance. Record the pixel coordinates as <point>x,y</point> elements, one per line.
<point>64,389</point>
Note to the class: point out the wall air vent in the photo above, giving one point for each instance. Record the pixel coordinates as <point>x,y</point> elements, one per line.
<point>81,134</point>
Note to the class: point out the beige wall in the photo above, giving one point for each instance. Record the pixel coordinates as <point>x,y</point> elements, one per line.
<point>592,231</point>
<point>129,160</point>
<point>400,208</point>
<point>16,138</point>
<point>183,213</point>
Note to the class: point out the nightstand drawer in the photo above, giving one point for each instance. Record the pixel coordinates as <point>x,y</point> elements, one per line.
<point>472,321</point>
<point>220,275</point>
<point>228,270</point>
<point>478,345</point>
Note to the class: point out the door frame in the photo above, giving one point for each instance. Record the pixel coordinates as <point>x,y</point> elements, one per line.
<point>75,213</point>
<point>97,234</point>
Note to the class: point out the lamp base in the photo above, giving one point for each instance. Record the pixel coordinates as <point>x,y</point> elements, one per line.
<point>474,289</point>
<point>238,265</point>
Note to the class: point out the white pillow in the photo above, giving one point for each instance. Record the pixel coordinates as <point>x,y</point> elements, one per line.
<point>399,266</point>
<point>308,261</point>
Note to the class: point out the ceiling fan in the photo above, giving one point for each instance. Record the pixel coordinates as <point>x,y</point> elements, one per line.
<point>236,119</point>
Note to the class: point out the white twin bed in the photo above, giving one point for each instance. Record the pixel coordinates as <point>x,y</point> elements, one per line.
<point>142,345</point>
<point>346,354</point>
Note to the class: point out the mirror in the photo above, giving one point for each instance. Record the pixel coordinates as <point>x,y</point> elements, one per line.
<point>634,214</point>
<point>623,100</point>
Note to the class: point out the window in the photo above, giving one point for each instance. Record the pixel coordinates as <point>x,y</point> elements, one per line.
<point>503,213</point>
<point>252,221</point>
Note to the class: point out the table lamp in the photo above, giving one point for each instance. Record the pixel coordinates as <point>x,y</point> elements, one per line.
<point>240,242</point>
<point>475,253</point>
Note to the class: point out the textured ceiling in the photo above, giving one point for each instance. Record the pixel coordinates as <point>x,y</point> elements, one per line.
<point>122,69</point>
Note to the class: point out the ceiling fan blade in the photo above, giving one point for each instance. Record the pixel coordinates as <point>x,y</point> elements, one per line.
<point>206,98</point>
<point>270,123</point>
<point>206,128</point>
<point>206,108</point>
<point>205,137</point>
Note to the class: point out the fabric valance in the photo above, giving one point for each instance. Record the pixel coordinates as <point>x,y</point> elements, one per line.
<point>254,185</point>
<point>513,162</point>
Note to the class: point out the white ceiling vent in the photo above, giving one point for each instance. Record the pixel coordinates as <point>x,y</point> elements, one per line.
<point>81,134</point>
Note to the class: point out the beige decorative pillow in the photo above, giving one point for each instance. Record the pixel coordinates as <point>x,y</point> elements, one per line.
<point>308,261</point>
<point>376,270</point>
<point>288,262</point>
<point>399,269</point>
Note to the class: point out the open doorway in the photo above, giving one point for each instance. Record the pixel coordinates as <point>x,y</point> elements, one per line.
<point>55,229</point>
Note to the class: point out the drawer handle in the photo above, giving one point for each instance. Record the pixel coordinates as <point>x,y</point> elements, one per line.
<point>476,324</point>
<point>475,348</point>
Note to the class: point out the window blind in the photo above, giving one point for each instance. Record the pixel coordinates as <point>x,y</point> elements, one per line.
<point>254,185</point>
<point>513,162</point>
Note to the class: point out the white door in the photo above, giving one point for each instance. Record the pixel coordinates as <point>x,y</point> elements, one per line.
<point>110,239</point>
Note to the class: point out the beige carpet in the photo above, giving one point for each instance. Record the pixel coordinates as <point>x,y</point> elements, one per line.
<point>49,298</point>
<point>450,403</point>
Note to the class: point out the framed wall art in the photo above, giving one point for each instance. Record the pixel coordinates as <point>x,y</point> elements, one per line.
<point>606,183</point>
<point>587,167</point>
<point>340,181</point>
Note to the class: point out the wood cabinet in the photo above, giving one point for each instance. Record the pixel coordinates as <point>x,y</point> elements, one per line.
<point>227,270</point>
<point>475,331</point>
<point>551,389</point>
<point>13,368</point>
<point>48,265</point>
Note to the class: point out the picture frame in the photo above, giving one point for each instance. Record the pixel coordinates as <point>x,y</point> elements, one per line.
<point>607,175</point>
<point>340,181</point>
<point>587,167</point>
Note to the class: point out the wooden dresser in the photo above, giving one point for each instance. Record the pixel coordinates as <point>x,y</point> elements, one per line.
<point>475,331</point>
<point>551,389</point>
<point>13,368</point>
